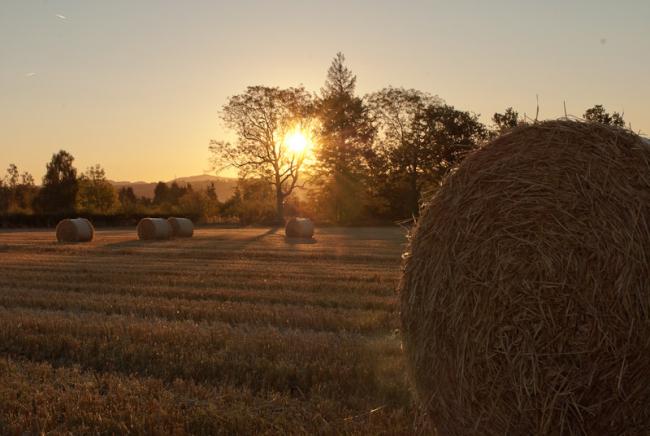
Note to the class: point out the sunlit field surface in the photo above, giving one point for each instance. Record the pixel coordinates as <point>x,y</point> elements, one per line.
<point>232,331</point>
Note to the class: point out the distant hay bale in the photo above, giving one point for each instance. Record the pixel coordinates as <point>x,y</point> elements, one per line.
<point>74,230</point>
<point>154,228</point>
<point>525,295</point>
<point>181,227</point>
<point>299,228</point>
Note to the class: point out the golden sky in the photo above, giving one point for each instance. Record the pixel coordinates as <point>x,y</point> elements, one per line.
<point>137,86</point>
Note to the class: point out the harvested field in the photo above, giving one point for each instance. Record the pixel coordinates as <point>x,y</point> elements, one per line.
<point>232,331</point>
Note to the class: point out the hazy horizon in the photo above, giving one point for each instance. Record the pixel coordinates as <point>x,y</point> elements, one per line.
<point>138,87</point>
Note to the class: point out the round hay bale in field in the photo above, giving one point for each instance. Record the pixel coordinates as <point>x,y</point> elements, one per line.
<point>525,295</point>
<point>75,230</point>
<point>181,227</point>
<point>154,228</point>
<point>299,228</point>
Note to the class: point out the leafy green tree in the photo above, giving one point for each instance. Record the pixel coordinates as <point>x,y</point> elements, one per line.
<point>161,194</point>
<point>18,191</point>
<point>12,177</point>
<point>344,140</point>
<point>261,118</point>
<point>599,114</point>
<point>211,192</point>
<point>95,194</point>
<point>59,189</point>
<point>176,192</point>
<point>400,162</point>
<point>4,197</point>
<point>27,179</point>
<point>420,139</point>
<point>168,196</point>
<point>212,205</point>
<point>505,121</point>
<point>253,202</point>
<point>446,135</point>
<point>201,204</point>
<point>193,203</point>
<point>127,199</point>
<point>26,193</point>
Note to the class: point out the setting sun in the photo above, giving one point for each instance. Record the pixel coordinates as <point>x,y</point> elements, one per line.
<point>297,141</point>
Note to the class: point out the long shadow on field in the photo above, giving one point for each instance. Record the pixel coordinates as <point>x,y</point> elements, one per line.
<point>202,241</point>
<point>299,241</point>
<point>243,243</point>
<point>134,243</point>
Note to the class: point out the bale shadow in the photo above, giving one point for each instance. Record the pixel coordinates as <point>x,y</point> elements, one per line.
<point>243,243</point>
<point>195,240</point>
<point>299,241</point>
<point>134,243</point>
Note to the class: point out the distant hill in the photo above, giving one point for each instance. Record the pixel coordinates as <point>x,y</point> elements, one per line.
<point>225,186</point>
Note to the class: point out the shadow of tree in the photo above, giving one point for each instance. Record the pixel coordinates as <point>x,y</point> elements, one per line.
<point>243,243</point>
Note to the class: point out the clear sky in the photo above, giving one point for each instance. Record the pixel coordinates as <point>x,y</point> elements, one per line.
<point>137,85</point>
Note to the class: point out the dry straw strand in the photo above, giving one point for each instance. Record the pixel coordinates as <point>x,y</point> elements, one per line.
<point>525,293</point>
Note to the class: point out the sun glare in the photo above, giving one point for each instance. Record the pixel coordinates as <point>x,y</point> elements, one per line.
<point>297,141</point>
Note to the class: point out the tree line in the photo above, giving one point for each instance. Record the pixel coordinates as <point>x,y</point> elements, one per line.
<point>375,157</point>
<point>64,191</point>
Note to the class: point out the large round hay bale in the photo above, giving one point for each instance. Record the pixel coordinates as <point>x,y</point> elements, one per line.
<point>181,227</point>
<point>525,296</point>
<point>154,228</point>
<point>299,228</point>
<point>74,230</point>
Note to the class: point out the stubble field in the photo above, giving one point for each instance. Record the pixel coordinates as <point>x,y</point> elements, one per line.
<point>235,331</point>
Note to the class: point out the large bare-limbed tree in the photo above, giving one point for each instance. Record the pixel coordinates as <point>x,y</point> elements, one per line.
<point>261,118</point>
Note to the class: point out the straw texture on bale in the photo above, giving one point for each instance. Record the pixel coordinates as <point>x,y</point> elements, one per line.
<point>74,230</point>
<point>154,228</point>
<point>299,228</point>
<point>181,227</point>
<point>525,295</point>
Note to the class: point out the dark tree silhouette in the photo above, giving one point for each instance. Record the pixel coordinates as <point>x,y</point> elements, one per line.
<point>446,135</point>
<point>59,190</point>
<point>396,112</point>
<point>161,193</point>
<point>261,118</point>
<point>127,199</point>
<point>96,194</point>
<point>600,115</point>
<point>17,191</point>
<point>12,177</point>
<point>505,121</point>
<point>344,141</point>
<point>4,197</point>
<point>211,192</point>
<point>252,202</point>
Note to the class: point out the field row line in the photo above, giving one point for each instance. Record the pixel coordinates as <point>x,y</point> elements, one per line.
<point>306,317</point>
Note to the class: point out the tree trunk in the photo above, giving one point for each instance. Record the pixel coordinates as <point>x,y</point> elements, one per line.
<point>279,206</point>
<point>337,196</point>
